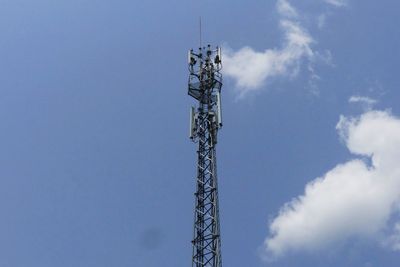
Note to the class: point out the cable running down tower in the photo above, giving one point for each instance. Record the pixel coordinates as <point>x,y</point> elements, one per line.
<point>205,82</point>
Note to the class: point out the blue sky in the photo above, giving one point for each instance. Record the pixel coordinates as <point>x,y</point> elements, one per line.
<point>96,165</point>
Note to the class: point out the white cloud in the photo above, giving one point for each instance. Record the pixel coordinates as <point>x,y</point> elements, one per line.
<point>353,199</point>
<point>338,3</point>
<point>251,69</point>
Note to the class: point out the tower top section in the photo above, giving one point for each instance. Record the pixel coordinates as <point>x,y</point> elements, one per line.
<point>205,79</point>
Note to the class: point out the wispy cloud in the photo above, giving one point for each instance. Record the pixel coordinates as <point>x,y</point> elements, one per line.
<point>354,199</point>
<point>251,69</point>
<point>393,241</point>
<point>321,20</point>
<point>338,3</point>
<point>367,102</point>
<point>286,9</point>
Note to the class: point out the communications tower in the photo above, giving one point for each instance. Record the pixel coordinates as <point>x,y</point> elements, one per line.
<point>205,82</point>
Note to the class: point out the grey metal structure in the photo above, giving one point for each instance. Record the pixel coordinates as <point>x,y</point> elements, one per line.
<point>205,82</point>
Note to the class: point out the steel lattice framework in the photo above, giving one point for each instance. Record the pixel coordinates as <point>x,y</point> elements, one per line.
<point>205,82</point>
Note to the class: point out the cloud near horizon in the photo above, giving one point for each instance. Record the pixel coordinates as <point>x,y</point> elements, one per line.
<point>355,199</point>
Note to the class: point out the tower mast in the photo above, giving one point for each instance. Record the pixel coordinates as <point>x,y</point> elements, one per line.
<point>205,82</point>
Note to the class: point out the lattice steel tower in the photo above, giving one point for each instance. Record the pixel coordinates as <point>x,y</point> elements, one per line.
<point>205,82</point>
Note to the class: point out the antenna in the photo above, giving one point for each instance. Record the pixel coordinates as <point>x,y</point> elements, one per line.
<point>219,110</point>
<point>192,123</point>
<point>200,31</point>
